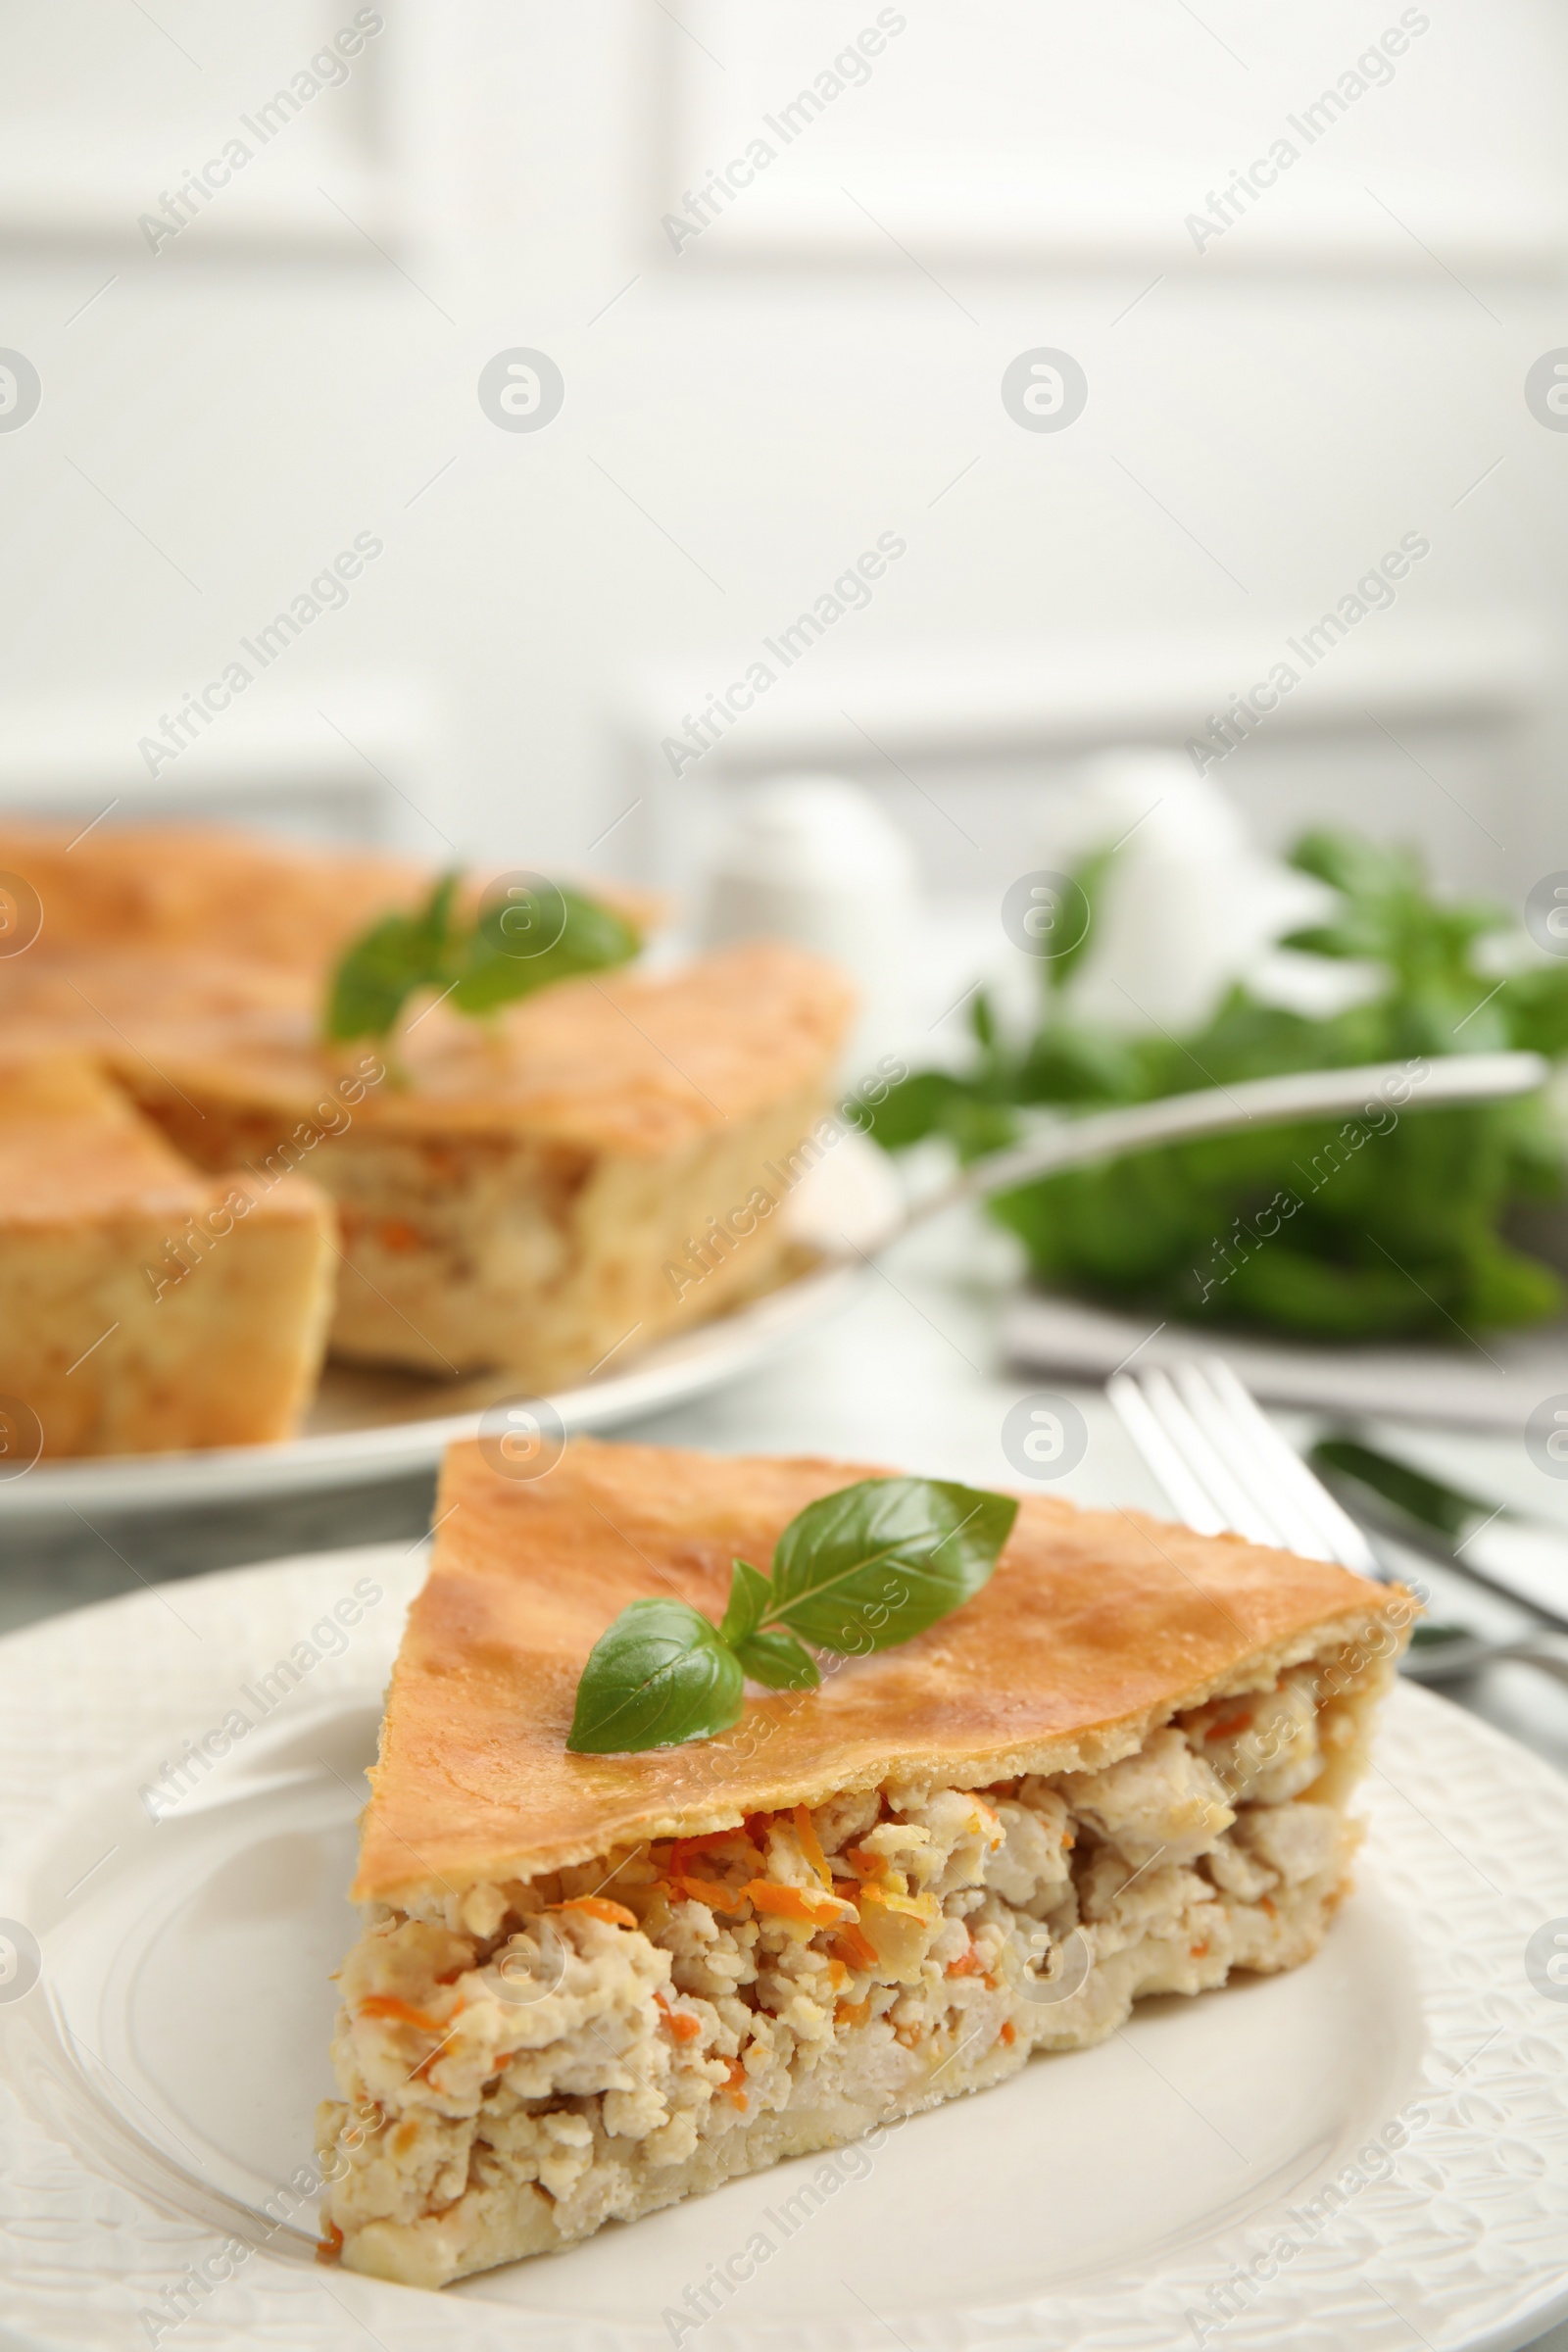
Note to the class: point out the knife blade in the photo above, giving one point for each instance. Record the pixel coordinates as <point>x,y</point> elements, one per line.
<point>1524,1559</point>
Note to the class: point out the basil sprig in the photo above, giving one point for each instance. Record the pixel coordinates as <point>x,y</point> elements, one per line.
<point>857,1571</point>
<point>663,1673</point>
<point>524,938</point>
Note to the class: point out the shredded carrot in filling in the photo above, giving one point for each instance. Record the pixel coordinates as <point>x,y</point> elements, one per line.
<point>852,2013</point>
<point>710,1891</point>
<point>793,1902</point>
<point>692,1886</point>
<point>1229,1724</point>
<point>811,1847</point>
<point>709,1841</point>
<point>735,2087</point>
<point>852,1946</point>
<point>865,1866</point>
<point>970,1965</point>
<point>331,2243</point>
<point>1266,1903</point>
<point>681,2023</point>
<point>389,2004</point>
<point>597,1906</point>
<point>1198,1951</point>
<point>397,1235</point>
<point>1008,2030</point>
<point>893,1898</point>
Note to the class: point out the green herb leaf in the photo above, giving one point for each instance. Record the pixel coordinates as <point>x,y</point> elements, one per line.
<point>878,1562</point>
<point>983,1020</point>
<point>380,971</point>
<point>528,940</point>
<point>853,1572</point>
<point>777,1659</point>
<point>1394,1221</point>
<point>659,1675</point>
<point>748,1595</point>
<point>519,942</point>
<point>1089,876</point>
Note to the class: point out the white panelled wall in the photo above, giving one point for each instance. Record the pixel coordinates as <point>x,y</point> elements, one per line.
<point>783,371</point>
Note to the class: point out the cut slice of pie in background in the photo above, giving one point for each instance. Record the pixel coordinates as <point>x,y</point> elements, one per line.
<point>591,1169</point>
<point>144,1306</point>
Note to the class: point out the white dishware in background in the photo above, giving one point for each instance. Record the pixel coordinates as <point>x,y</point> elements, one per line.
<point>1191,904</point>
<point>815,859</point>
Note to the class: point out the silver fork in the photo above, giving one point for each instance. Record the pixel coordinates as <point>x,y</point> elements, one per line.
<point>1225,1466</point>
<point>1226,1469</point>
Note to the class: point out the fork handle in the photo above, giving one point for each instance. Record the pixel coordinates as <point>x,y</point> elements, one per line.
<point>1255,1102</point>
<point>1547,1651</point>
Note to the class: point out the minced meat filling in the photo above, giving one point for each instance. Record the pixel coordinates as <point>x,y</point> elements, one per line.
<point>590,2029</point>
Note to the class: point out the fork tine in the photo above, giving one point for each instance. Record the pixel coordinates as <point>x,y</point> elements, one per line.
<point>1238,1508</point>
<point>1341,1538</point>
<point>1223,1464</point>
<point>1182,1490</point>
<point>1252,1460</point>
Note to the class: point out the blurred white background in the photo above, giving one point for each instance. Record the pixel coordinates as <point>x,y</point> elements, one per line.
<point>755,400</point>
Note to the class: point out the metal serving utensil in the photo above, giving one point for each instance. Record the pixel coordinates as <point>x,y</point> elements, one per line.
<point>1073,1143</point>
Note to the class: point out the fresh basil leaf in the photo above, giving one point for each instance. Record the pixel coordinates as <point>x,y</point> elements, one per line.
<point>777,1659</point>
<point>914,1108</point>
<point>878,1562</point>
<point>380,971</point>
<point>1090,877</point>
<point>529,942</point>
<point>983,1020</point>
<point>749,1594</point>
<point>659,1675</point>
<point>519,942</point>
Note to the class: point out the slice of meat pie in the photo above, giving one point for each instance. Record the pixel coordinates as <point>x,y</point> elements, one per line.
<point>562,1183</point>
<point>591,1985</point>
<point>145,1306</point>
<point>601,1166</point>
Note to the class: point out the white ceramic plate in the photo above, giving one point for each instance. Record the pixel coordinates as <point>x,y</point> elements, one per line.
<point>1454,1380</point>
<point>366,1425</point>
<point>157,2081</point>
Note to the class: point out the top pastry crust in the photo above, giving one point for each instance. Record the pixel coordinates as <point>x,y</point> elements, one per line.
<point>630,1061</point>
<point>1095,1629</point>
<point>193,963</point>
<point>190,888</point>
<point>72,1147</point>
<point>220,891</point>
